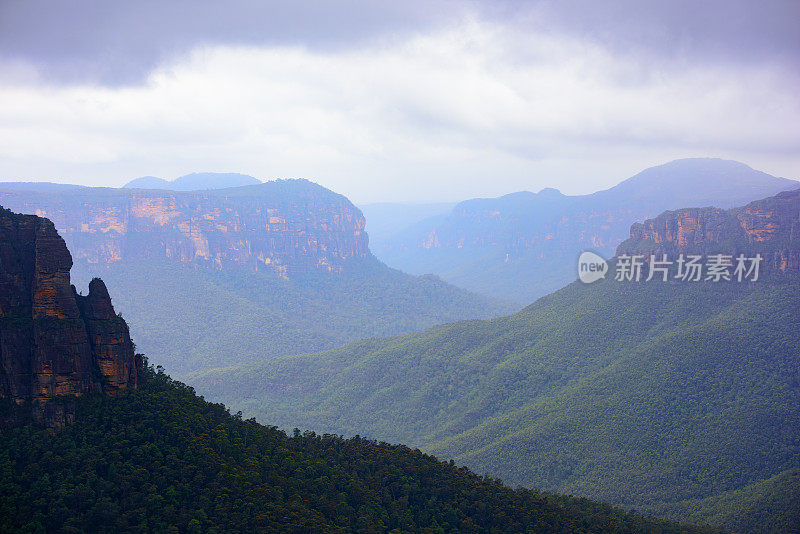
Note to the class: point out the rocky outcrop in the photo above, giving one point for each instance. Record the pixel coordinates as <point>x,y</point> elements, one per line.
<point>283,226</point>
<point>53,342</point>
<point>110,341</point>
<point>770,227</point>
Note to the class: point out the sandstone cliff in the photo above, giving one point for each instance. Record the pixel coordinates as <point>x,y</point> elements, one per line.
<point>283,226</point>
<point>770,227</point>
<point>54,342</point>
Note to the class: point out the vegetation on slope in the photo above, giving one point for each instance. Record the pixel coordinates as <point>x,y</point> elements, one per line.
<point>160,459</point>
<point>766,506</point>
<point>206,318</point>
<point>643,394</point>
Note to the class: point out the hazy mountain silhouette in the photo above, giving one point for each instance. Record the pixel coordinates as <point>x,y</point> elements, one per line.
<point>194,181</point>
<point>524,245</point>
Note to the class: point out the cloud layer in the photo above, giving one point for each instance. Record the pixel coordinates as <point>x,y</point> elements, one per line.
<point>482,105</point>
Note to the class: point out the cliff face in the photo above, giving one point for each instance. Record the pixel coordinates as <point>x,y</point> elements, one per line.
<point>770,227</point>
<point>283,226</point>
<point>110,341</point>
<point>54,342</point>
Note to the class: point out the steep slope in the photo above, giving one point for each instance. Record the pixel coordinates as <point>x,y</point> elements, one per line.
<point>161,459</point>
<point>655,395</point>
<point>770,227</point>
<point>138,452</point>
<point>53,342</point>
<point>209,318</point>
<point>242,273</point>
<point>765,506</point>
<point>522,246</point>
<point>194,182</point>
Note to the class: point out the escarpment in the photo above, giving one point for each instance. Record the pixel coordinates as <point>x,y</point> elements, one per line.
<point>54,343</point>
<point>283,226</point>
<point>769,227</point>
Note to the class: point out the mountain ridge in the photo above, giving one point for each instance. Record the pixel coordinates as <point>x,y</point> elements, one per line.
<point>112,443</point>
<point>643,394</point>
<point>194,181</point>
<point>770,226</point>
<point>101,224</point>
<point>191,465</point>
<point>522,246</point>
<point>247,272</point>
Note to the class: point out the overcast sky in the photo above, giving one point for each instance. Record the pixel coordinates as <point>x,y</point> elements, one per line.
<point>396,101</point>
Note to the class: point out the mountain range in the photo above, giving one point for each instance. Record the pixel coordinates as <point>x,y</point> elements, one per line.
<point>524,245</point>
<point>680,398</point>
<point>242,273</point>
<point>92,439</point>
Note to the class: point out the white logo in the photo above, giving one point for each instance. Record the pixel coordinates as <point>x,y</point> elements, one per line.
<point>591,267</point>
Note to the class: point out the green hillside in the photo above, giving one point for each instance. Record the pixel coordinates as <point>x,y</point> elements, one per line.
<point>767,506</point>
<point>160,459</point>
<point>187,318</point>
<point>645,395</point>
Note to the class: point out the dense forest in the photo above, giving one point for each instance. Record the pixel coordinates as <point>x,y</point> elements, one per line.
<point>161,459</point>
<point>669,397</point>
<point>209,318</point>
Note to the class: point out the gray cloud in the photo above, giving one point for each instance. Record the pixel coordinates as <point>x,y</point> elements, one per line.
<point>413,100</point>
<point>748,30</point>
<point>120,42</point>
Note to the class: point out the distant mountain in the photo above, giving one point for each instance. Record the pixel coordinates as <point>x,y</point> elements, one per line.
<point>148,182</point>
<point>242,273</point>
<point>387,219</point>
<point>681,398</point>
<point>36,186</point>
<point>194,182</point>
<point>524,245</point>
<point>697,182</point>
